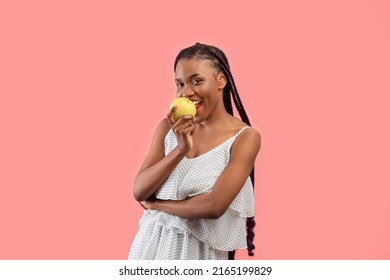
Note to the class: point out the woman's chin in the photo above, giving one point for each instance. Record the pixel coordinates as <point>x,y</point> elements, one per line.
<point>197,119</point>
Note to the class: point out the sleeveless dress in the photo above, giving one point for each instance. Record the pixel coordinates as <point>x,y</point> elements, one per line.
<point>168,237</point>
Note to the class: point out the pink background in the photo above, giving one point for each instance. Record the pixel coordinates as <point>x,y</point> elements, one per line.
<point>84,83</point>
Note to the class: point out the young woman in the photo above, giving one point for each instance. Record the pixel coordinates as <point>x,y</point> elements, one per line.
<point>196,182</point>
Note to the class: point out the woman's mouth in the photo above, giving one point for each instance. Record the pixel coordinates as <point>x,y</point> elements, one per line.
<point>197,104</point>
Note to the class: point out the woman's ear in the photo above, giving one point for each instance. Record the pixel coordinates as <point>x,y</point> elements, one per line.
<point>221,80</point>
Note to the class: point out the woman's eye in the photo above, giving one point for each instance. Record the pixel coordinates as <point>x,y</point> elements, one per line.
<point>179,85</point>
<point>195,82</point>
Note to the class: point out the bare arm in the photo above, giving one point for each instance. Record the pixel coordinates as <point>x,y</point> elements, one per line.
<point>213,204</point>
<point>157,167</point>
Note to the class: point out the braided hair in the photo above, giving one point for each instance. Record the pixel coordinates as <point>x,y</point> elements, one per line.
<point>219,61</point>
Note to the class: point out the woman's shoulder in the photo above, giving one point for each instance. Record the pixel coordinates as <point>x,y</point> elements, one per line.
<point>244,128</point>
<point>247,135</point>
<point>164,125</point>
<point>162,129</point>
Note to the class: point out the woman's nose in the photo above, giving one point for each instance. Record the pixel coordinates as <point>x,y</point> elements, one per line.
<point>186,92</point>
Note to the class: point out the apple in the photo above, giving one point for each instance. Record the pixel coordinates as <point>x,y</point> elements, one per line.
<point>184,106</point>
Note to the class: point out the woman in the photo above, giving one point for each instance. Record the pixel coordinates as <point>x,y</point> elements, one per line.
<point>194,183</point>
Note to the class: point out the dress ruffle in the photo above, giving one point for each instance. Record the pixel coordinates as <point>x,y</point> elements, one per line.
<point>162,238</point>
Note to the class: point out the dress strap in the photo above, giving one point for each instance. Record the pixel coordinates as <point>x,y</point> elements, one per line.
<point>241,130</point>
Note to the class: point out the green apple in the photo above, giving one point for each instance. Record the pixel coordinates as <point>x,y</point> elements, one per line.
<point>184,106</point>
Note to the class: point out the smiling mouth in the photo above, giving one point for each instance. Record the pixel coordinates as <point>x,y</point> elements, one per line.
<point>197,104</point>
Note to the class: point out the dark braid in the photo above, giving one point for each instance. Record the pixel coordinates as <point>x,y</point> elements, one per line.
<point>219,61</point>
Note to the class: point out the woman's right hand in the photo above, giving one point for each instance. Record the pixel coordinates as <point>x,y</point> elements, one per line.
<point>182,128</point>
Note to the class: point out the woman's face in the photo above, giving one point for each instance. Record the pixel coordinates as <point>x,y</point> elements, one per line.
<point>197,80</point>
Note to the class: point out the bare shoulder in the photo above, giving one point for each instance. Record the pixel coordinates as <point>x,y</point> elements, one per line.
<point>162,128</point>
<point>156,151</point>
<point>249,140</point>
<point>253,132</point>
<point>248,133</point>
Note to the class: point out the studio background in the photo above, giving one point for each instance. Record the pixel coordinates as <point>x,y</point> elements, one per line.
<point>84,84</point>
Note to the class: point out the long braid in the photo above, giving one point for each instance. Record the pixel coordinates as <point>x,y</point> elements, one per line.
<point>227,100</point>
<point>220,62</point>
<point>226,69</point>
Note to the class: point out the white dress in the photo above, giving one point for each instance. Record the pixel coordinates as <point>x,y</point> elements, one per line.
<point>168,237</point>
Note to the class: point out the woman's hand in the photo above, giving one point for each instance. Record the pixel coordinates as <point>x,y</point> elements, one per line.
<point>182,128</point>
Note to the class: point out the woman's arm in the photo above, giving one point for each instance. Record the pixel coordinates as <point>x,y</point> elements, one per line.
<point>214,204</point>
<point>157,167</point>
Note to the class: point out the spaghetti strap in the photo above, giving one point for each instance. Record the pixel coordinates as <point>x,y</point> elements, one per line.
<point>241,130</point>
